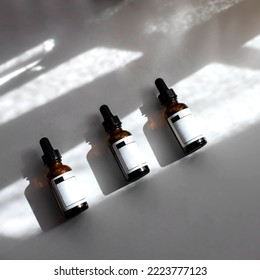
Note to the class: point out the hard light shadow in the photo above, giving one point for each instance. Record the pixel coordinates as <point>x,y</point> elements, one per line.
<point>39,194</point>
<point>178,62</point>
<point>101,160</point>
<point>161,139</point>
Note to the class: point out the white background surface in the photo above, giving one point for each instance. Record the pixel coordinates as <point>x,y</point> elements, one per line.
<point>203,206</point>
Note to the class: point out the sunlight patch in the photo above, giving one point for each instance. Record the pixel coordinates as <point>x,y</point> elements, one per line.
<point>225,99</point>
<point>189,15</point>
<point>59,81</point>
<point>254,43</point>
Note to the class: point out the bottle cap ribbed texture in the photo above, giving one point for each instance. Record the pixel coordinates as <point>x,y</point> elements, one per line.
<point>49,154</point>
<point>110,121</point>
<point>166,94</point>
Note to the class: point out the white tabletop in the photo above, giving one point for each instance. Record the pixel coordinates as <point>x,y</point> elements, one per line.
<point>60,61</point>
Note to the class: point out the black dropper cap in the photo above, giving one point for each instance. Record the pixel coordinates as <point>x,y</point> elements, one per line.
<point>49,154</point>
<point>110,122</point>
<point>166,94</point>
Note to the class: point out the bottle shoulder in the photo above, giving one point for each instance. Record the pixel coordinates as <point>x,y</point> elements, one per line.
<point>57,170</point>
<point>117,135</point>
<point>174,108</point>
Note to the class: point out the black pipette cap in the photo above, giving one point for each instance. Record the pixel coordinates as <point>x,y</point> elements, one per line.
<point>166,94</point>
<point>110,122</point>
<point>49,154</point>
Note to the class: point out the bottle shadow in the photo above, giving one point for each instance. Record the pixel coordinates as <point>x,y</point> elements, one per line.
<point>161,139</point>
<point>38,193</point>
<point>101,160</point>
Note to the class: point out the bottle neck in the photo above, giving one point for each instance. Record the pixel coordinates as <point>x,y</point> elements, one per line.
<point>54,164</point>
<point>171,102</point>
<point>115,130</point>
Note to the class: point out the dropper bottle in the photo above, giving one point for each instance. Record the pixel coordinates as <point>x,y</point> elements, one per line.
<point>180,119</point>
<point>67,191</point>
<point>123,147</point>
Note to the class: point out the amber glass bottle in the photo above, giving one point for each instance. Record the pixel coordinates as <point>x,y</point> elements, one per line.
<point>66,189</point>
<point>123,147</point>
<point>180,119</point>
